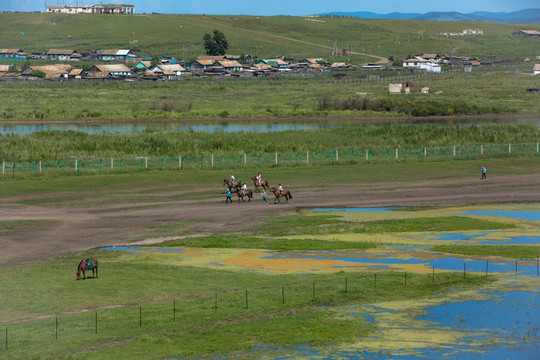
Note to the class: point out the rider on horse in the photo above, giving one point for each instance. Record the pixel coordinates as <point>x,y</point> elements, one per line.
<point>259,177</point>
<point>232,180</point>
<point>280,189</point>
<point>244,187</point>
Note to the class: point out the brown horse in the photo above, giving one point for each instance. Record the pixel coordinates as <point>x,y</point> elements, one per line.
<point>286,194</point>
<point>229,183</point>
<point>87,264</point>
<point>241,194</point>
<point>264,183</point>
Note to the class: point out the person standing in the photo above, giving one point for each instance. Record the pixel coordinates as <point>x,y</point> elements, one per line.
<point>263,195</point>
<point>484,175</point>
<point>228,195</point>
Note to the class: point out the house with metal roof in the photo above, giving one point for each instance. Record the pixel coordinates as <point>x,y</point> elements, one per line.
<point>12,54</point>
<point>63,54</point>
<point>103,71</point>
<point>201,65</point>
<point>169,70</point>
<point>230,65</point>
<point>116,55</point>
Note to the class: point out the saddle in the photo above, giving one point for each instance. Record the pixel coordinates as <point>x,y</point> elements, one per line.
<point>89,264</point>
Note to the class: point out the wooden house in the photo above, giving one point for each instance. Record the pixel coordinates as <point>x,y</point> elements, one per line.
<point>103,71</point>
<point>51,71</point>
<point>12,54</point>
<point>169,70</point>
<point>63,54</point>
<point>230,65</point>
<point>201,65</point>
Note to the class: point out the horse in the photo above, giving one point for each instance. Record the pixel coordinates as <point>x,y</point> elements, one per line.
<point>87,264</point>
<point>241,194</point>
<point>229,182</point>
<point>264,183</point>
<point>286,194</point>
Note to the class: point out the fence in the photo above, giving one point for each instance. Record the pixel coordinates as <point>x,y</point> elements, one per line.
<point>265,160</point>
<point>112,323</point>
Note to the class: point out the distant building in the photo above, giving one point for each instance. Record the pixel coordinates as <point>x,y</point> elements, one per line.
<point>92,9</point>
<point>115,55</point>
<point>527,33</point>
<point>63,54</point>
<point>536,69</point>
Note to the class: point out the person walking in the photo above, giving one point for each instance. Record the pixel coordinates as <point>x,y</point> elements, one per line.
<point>484,176</point>
<point>228,196</point>
<point>263,195</point>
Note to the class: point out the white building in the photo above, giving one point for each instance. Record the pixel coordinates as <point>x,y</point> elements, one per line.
<point>92,9</point>
<point>422,64</point>
<point>536,69</point>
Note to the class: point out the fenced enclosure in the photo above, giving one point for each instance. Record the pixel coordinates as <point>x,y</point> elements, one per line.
<point>74,329</point>
<point>266,160</point>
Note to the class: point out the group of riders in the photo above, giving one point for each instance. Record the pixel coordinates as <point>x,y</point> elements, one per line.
<point>242,190</point>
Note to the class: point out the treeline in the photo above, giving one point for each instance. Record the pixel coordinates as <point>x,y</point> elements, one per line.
<point>58,145</point>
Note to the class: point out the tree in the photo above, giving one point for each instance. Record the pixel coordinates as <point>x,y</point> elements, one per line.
<point>215,45</point>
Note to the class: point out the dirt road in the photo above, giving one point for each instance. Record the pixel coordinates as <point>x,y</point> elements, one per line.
<point>53,228</point>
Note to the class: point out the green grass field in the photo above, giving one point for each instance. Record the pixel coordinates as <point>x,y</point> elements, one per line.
<point>181,35</point>
<point>497,92</point>
<point>144,304</point>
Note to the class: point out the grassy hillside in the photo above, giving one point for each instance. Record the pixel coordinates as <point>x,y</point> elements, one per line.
<point>181,35</point>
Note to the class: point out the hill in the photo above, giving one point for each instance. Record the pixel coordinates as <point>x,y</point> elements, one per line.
<point>527,16</point>
<point>181,35</point>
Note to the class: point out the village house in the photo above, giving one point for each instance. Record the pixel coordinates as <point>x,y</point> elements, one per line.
<point>420,63</point>
<point>431,57</point>
<point>116,55</point>
<point>230,65</point>
<point>51,71</point>
<point>536,69</point>
<point>169,70</point>
<point>104,71</point>
<point>142,66</point>
<point>526,33</point>
<point>63,54</point>
<point>75,73</point>
<point>12,54</point>
<point>201,65</point>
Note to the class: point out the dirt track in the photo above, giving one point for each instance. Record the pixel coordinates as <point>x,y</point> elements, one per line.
<point>77,226</point>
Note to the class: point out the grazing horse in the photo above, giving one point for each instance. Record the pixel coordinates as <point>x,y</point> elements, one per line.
<point>264,183</point>
<point>87,264</point>
<point>286,194</point>
<point>241,194</point>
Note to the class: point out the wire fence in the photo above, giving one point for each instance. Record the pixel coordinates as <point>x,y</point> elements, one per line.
<point>116,322</point>
<point>265,160</point>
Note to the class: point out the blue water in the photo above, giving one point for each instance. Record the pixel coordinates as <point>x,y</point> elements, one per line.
<point>435,260</point>
<point>381,209</point>
<point>524,215</point>
<point>25,129</point>
<point>121,248</point>
<point>460,238</point>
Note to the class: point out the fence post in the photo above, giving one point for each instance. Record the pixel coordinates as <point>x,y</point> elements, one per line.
<point>481,149</point>
<point>523,154</point>
<point>140,316</point>
<point>161,160</point>
<point>454,151</point>
<point>367,156</point>
<point>57,167</point>
<point>509,149</point>
<point>35,168</point>
<point>76,165</point>
<point>537,148</point>
<point>96,322</point>
<point>146,162</point>
<point>259,160</point>
<point>141,164</point>
<point>297,156</point>
<point>99,166</point>
<point>221,162</point>
<point>307,157</point>
<point>246,299</point>
<point>337,155</point>
<point>490,147</point>
<point>56,328</point>
<point>79,167</point>
<point>212,161</point>
<point>180,162</point>
<point>112,163</point>
<point>282,296</point>
<point>397,152</point>
<point>3,167</point>
<point>120,165</point>
<point>277,160</point>
<point>39,167</point>
<point>245,158</point>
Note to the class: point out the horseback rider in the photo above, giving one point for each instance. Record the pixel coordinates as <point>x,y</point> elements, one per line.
<point>244,187</point>
<point>232,180</point>
<point>259,177</point>
<point>280,189</point>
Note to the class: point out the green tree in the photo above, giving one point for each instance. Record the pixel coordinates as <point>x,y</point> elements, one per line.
<point>216,44</point>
